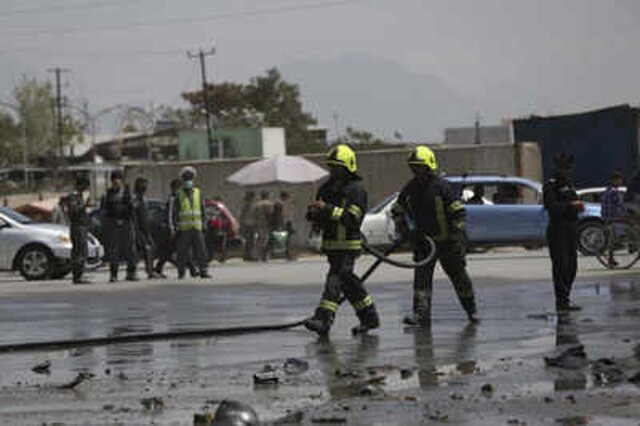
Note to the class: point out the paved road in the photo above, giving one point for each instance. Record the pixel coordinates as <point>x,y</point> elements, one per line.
<point>430,375</point>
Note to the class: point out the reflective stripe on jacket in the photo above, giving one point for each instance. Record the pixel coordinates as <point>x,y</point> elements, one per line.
<point>190,213</point>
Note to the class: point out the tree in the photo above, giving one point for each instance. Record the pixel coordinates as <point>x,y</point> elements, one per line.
<point>36,103</point>
<point>266,101</point>
<point>10,143</point>
<point>363,140</point>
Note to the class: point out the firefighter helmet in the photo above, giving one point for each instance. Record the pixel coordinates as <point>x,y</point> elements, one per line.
<point>234,413</point>
<point>342,155</point>
<point>188,173</point>
<point>423,156</point>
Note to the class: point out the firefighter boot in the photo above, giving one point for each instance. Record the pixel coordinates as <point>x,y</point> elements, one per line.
<point>421,316</point>
<point>369,320</point>
<point>320,322</point>
<point>469,305</point>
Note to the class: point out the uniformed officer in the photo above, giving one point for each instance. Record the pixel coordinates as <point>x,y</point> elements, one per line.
<point>144,239</point>
<point>118,229</point>
<point>427,206</point>
<point>76,208</point>
<point>338,212</point>
<point>561,201</point>
<point>188,225</point>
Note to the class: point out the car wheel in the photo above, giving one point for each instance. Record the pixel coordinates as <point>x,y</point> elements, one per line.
<point>35,262</point>
<point>592,238</point>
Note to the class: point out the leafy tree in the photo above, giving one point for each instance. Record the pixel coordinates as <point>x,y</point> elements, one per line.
<point>35,101</point>
<point>10,143</point>
<point>266,100</point>
<point>363,140</point>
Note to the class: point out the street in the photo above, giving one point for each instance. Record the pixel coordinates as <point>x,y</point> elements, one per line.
<point>455,373</point>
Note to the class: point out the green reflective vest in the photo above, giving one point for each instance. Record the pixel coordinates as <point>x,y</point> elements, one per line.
<point>190,216</point>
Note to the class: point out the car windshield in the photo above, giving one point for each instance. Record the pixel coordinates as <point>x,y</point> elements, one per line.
<point>14,215</point>
<point>381,205</point>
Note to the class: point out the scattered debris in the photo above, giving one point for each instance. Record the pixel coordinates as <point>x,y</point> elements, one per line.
<point>466,367</point>
<point>295,366</point>
<point>231,412</point>
<point>456,396</point>
<point>406,373</point>
<point>573,421</point>
<point>107,371</point>
<point>329,420</point>
<point>548,399</point>
<point>122,376</point>
<point>42,368</point>
<point>291,418</point>
<point>487,390</point>
<point>152,404</point>
<point>571,358</point>
<point>571,399</point>
<point>635,379</point>
<point>517,422</point>
<point>203,419</point>
<point>437,416</point>
<point>606,372</point>
<point>266,378</point>
<point>347,374</point>
<point>81,377</point>
<point>108,407</point>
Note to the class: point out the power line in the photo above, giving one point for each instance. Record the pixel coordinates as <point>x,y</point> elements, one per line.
<point>179,21</point>
<point>95,53</point>
<point>66,7</point>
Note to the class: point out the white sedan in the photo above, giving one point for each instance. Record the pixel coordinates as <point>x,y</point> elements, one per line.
<point>38,250</point>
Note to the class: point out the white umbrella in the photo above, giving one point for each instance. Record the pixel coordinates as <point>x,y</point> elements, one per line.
<point>280,169</point>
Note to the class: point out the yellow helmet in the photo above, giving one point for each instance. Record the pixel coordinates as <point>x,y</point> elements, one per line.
<point>423,156</point>
<point>342,155</point>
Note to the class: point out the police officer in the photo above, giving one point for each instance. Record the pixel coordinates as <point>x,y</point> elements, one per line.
<point>188,224</point>
<point>76,208</point>
<point>561,201</point>
<point>118,229</point>
<point>338,212</point>
<point>141,220</point>
<point>427,206</point>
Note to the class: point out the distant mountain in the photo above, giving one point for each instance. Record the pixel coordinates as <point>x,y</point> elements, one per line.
<point>369,93</point>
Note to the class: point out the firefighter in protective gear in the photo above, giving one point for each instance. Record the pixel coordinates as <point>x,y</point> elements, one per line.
<point>188,225</point>
<point>427,206</point>
<point>76,208</point>
<point>338,212</point>
<point>561,201</point>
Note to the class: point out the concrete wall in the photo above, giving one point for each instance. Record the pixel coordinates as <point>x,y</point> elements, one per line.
<point>383,172</point>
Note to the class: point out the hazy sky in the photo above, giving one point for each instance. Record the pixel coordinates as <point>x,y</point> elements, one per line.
<point>506,57</point>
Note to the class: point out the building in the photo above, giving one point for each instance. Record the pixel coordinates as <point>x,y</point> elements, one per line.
<point>481,135</point>
<point>231,143</point>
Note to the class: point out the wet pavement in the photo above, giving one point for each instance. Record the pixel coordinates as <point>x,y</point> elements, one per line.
<point>451,373</point>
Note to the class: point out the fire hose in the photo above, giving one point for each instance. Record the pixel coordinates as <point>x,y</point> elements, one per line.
<point>381,257</point>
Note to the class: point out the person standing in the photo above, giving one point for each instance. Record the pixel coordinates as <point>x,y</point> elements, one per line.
<point>248,226</point>
<point>428,204</point>
<point>188,225</point>
<point>76,208</point>
<point>613,207</point>
<point>338,211</point>
<point>141,220</point>
<point>264,222</point>
<point>284,221</point>
<point>118,230</point>
<point>562,204</point>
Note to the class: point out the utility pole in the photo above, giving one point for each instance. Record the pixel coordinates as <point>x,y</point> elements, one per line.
<point>477,130</point>
<point>58,72</point>
<point>201,55</point>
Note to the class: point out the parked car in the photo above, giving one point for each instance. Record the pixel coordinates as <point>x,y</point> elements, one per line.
<point>38,250</point>
<point>594,195</point>
<point>221,229</point>
<point>510,214</point>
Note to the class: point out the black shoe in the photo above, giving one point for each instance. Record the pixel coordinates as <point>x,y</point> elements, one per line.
<point>154,276</point>
<point>81,281</point>
<point>113,278</point>
<point>416,319</point>
<point>132,277</point>
<point>318,325</point>
<point>568,307</point>
<point>161,275</point>
<point>369,320</point>
<point>473,317</point>
<point>205,275</point>
<point>193,273</point>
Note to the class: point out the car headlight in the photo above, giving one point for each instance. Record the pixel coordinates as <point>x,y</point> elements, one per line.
<point>64,239</point>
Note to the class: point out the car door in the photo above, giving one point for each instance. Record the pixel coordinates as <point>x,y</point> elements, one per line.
<point>485,220</point>
<point>5,262</point>
<point>522,212</point>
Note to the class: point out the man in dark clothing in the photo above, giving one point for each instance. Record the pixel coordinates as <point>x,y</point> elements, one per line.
<point>118,230</point>
<point>144,239</point>
<point>561,201</point>
<point>248,226</point>
<point>427,206</point>
<point>338,211</point>
<point>76,209</point>
<point>188,224</point>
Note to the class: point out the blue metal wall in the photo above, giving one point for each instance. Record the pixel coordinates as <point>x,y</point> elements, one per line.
<point>601,141</point>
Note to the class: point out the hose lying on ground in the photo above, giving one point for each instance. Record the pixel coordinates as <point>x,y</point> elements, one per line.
<point>203,333</point>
